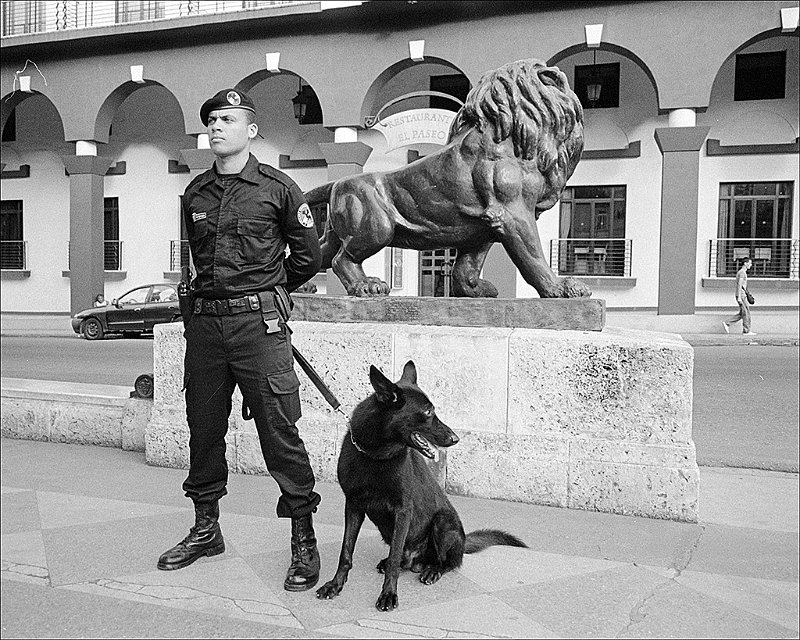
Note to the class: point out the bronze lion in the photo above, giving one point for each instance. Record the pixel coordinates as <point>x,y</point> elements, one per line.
<point>510,151</point>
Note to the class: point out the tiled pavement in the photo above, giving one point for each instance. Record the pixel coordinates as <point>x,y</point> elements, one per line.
<point>82,528</point>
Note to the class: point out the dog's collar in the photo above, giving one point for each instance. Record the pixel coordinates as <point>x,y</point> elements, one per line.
<point>369,454</point>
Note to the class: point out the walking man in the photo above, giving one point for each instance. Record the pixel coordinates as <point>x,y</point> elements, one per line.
<point>741,299</point>
<point>240,216</point>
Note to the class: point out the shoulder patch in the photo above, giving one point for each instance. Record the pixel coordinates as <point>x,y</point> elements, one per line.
<point>304,216</point>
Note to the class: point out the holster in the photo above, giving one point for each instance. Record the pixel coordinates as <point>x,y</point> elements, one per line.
<point>185,301</point>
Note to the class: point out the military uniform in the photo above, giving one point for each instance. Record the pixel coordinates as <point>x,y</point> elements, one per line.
<point>239,228</point>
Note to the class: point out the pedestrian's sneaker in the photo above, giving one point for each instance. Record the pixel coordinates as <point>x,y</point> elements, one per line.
<point>726,326</point>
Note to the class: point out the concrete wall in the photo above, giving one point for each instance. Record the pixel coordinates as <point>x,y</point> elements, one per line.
<point>588,420</point>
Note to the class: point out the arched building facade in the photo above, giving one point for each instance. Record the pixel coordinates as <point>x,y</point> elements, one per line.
<point>689,164</point>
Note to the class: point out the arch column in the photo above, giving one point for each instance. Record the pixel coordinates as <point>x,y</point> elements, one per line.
<point>86,225</point>
<point>679,144</point>
<point>345,157</point>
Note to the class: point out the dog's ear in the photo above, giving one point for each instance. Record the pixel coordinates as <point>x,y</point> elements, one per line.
<point>410,372</point>
<point>387,391</point>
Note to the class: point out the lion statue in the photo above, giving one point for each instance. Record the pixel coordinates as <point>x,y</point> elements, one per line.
<point>510,151</point>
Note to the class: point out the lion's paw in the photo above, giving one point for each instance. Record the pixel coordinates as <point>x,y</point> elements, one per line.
<point>572,288</point>
<point>482,289</point>
<point>368,287</point>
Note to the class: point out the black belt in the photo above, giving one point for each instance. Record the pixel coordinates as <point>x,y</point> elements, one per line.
<point>228,306</point>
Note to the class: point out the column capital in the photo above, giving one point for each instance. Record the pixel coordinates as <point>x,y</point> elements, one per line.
<point>680,138</point>
<point>345,152</point>
<point>95,165</point>
<point>196,159</point>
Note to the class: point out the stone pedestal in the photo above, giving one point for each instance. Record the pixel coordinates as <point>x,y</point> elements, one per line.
<point>579,419</point>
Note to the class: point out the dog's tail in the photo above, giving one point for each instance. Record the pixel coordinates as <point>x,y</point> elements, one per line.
<point>483,538</point>
<point>319,195</point>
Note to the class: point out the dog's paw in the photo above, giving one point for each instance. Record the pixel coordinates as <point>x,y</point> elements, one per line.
<point>382,565</point>
<point>430,575</point>
<point>329,590</point>
<point>387,601</point>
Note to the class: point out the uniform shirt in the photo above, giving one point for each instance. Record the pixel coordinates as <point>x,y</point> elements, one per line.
<point>239,227</point>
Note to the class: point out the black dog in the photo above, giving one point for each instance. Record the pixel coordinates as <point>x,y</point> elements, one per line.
<point>384,477</point>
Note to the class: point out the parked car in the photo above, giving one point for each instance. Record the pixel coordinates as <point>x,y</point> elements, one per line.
<point>133,313</point>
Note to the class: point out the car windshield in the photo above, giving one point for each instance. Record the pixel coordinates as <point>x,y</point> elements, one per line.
<point>137,296</point>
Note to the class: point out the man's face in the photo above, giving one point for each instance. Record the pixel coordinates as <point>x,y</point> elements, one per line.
<point>229,132</point>
<point>748,264</point>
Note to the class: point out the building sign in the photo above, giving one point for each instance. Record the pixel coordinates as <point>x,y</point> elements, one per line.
<point>430,126</point>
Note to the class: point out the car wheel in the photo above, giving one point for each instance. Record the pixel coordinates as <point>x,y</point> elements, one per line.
<point>92,329</point>
<point>144,386</point>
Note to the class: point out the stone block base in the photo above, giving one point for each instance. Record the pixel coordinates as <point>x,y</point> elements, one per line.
<point>577,419</point>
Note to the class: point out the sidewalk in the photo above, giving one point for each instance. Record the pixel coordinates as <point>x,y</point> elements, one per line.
<point>82,528</point>
<point>779,328</point>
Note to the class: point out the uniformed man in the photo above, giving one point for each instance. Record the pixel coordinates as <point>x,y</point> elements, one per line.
<point>241,215</point>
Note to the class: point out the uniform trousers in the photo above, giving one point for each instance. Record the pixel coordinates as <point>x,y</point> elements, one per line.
<point>221,352</point>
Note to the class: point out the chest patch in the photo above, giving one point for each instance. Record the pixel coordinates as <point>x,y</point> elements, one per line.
<point>304,216</point>
<point>198,215</point>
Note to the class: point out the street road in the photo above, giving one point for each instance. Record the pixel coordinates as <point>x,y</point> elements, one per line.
<point>745,397</point>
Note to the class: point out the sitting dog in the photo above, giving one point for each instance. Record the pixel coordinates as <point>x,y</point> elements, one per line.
<point>384,477</point>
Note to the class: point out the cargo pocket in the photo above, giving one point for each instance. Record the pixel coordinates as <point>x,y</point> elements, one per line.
<point>284,388</point>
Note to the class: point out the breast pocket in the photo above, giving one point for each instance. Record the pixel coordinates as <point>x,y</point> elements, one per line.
<point>256,237</point>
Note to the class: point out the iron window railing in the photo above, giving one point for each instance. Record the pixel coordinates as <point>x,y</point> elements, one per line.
<point>25,17</point>
<point>112,255</point>
<point>13,254</point>
<point>772,257</point>
<point>591,257</point>
<point>179,255</point>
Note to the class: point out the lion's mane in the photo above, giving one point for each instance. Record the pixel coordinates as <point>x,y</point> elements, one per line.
<point>533,105</point>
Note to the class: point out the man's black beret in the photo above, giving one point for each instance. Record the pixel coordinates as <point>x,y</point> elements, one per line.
<point>226,99</point>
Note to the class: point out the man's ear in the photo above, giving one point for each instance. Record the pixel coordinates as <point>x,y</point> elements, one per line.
<point>252,130</point>
<point>387,391</point>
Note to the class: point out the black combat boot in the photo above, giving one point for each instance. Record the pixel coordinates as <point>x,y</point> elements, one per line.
<point>204,539</point>
<point>303,573</point>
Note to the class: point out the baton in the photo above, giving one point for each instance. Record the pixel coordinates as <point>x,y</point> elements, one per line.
<point>319,383</point>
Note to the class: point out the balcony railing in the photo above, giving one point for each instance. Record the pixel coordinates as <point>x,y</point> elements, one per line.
<point>112,255</point>
<point>772,257</point>
<point>606,257</point>
<point>21,18</point>
<point>179,255</point>
<point>13,254</point>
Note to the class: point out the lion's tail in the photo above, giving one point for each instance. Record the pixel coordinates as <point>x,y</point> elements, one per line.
<point>319,195</point>
<point>329,242</point>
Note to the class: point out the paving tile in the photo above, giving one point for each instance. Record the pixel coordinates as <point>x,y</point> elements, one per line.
<point>228,587</point>
<point>500,568</point>
<point>484,615</point>
<point>108,549</point>
<point>19,512</point>
<point>772,555</point>
<point>357,599</point>
<point>675,611</point>
<point>771,599</point>
<point>23,557</point>
<point>65,509</point>
<point>593,605</point>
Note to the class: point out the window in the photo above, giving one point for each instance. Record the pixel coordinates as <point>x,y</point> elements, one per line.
<point>604,75</point>
<point>22,17</point>
<point>435,268</point>
<point>755,220</point>
<point>12,246</point>
<point>592,232</point>
<point>455,85</point>
<point>112,256</point>
<point>138,10</point>
<point>760,76</point>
